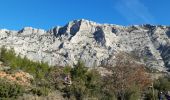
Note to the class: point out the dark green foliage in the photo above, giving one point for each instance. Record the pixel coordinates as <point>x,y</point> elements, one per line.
<point>67,69</point>
<point>78,87</point>
<point>10,90</point>
<point>151,94</point>
<point>162,84</point>
<point>79,71</point>
<point>78,74</point>
<point>133,93</point>
<point>85,83</point>
<point>93,83</point>
<point>40,91</point>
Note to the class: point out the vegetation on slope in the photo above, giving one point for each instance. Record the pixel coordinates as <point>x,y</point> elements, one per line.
<point>37,69</point>
<point>128,80</point>
<point>10,90</point>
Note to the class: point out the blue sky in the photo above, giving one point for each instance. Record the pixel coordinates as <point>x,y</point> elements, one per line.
<point>16,14</point>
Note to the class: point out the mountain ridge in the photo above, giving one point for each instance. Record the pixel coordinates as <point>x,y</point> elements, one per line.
<point>91,42</point>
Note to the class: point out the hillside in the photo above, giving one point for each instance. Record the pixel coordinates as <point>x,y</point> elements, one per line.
<point>94,43</point>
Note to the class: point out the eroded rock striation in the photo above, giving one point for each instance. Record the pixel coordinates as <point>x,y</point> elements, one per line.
<point>95,44</point>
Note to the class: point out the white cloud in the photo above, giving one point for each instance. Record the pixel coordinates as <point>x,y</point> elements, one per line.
<point>134,11</point>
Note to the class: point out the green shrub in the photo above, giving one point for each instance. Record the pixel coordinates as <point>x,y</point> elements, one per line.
<point>10,90</point>
<point>79,71</point>
<point>151,94</point>
<point>78,87</point>
<point>85,83</point>
<point>67,69</point>
<point>162,84</point>
<point>40,91</point>
<point>133,93</point>
<point>93,83</point>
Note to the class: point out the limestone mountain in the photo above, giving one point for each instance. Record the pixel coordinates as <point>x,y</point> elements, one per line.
<point>94,43</point>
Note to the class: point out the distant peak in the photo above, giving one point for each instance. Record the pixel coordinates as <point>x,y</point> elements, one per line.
<point>27,28</point>
<point>83,21</point>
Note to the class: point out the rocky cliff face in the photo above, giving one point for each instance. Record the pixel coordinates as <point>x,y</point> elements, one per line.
<point>95,44</point>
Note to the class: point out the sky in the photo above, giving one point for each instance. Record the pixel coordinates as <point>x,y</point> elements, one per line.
<point>45,14</point>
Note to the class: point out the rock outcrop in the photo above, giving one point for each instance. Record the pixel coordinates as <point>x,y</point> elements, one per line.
<point>95,44</point>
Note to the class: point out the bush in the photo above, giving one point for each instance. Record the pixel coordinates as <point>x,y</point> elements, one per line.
<point>85,83</point>
<point>78,87</point>
<point>162,84</point>
<point>127,80</point>
<point>152,94</point>
<point>40,91</point>
<point>133,93</point>
<point>55,78</point>
<point>10,90</point>
<point>93,83</point>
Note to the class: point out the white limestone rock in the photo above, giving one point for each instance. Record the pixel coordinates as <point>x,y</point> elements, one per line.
<point>94,43</point>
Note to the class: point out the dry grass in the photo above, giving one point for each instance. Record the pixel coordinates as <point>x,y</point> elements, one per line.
<point>52,96</point>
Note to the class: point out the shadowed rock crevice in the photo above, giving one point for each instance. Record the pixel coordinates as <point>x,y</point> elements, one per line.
<point>165,53</point>
<point>168,33</point>
<point>69,30</point>
<point>99,36</point>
